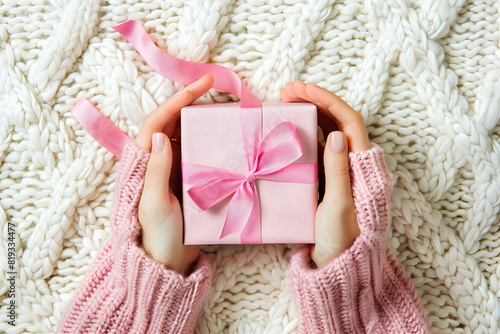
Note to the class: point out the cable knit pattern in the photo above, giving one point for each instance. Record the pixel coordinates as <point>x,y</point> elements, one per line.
<point>365,289</point>
<point>126,291</point>
<point>424,74</point>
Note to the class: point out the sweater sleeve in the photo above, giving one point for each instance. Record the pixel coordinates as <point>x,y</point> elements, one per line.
<point>365,289</point>
<point>127,291</point>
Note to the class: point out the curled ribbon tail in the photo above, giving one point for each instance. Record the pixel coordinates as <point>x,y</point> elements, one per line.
<point>184,71</point>
<point>241,210</point>
<point>100,128</point>
<point>252,233</point>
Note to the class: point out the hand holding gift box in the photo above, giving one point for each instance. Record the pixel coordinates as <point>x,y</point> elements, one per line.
<point>275,199</point>
<point>337,112</point>
<point>272,150</point>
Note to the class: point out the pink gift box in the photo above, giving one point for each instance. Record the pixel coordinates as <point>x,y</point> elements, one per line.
<point>249,169</point>
<point>211,136</point>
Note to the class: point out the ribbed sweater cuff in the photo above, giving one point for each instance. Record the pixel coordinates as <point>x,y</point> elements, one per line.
<point>162,298</point>
<point>371,184</point>
<point>129,182</point>
<point>327,298</point>
<point>365,288</point>
<point>126,290</point>
<point>136,294</point>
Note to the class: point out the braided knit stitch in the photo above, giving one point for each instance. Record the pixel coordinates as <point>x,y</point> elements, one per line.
<point>424,74</point>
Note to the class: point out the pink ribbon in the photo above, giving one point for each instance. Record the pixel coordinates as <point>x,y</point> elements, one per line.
<point>279,149</point>
<point>187,72</point>
<point>270,159</point>
<point>100,128</point>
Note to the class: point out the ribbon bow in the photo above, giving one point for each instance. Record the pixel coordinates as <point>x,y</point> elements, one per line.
<point>271,161</point>
<point>275,155</point>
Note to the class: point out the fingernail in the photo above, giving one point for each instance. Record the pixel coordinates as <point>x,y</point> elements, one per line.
<point>158,142</point>
<point>337,141</point>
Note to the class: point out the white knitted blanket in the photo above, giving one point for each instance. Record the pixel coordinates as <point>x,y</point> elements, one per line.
<point>425,74</point>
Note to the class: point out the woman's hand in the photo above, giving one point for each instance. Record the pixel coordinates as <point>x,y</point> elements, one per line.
<point>336,223</point>
<point>160,213</point>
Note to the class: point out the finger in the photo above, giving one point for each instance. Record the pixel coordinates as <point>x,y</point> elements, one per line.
<point>156,182</point>
<point>337,180</point>
<point>337,107</point>
<point>201,86</point>
<point>168,112</point>
<point>289,90</point>
<point>197,89</point>
<point>284,96</point>
<point>350,121</point>
<point>290,94</point>
<point>299,89</point>
<point>336,223</point>
<point>287,98</point>
<point>326,124</point>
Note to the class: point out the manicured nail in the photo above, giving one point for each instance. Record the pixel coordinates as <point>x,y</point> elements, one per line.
<point>158,142</point>
<point>337,141</point>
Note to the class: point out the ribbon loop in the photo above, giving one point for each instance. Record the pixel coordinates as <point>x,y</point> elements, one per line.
<point>279,149</point>
<point>268,159</point>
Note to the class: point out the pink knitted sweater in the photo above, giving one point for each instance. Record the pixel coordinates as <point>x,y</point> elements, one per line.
<point>365,289</point>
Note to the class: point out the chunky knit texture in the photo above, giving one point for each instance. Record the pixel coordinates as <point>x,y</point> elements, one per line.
<point>127,291</point>
<point>365,289</point>
<point>424,74</point>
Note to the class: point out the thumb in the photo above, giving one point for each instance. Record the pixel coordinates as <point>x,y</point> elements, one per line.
<point>156,183</point>
<point>336,223</point>
<point>337,180</point>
